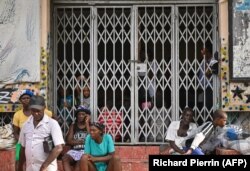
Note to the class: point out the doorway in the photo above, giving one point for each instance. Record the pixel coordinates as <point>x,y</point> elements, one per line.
<point>140,63</point>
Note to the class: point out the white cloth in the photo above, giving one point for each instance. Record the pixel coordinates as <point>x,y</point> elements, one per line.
<point>172,133</point>
<point>197,140</point>
<point>76,154</point>
<point>32,139</point>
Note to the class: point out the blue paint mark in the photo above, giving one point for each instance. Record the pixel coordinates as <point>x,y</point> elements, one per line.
<point>243,6</point>
<point>20,74</point>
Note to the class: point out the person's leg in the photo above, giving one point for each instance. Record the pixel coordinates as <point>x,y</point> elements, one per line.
<point>18,147</point>
<point>165,149</point>
<point>114,164</point>
<point>197,151</point>
<point>67,160</point>
<point>77,166</point>
<point>86,165</point>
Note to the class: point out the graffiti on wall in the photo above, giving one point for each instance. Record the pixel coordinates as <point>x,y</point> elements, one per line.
<point>19,41</point>
<point>9,94</point>
<point>240,39</point>
<point>235,96</point>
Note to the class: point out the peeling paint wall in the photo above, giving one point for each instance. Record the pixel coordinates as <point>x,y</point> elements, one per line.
<point>41,87</point>
<point>235,96</point>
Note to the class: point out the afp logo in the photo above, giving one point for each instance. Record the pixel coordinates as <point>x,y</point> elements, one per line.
<point>234,163</point>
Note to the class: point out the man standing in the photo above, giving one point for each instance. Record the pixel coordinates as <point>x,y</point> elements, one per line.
<point>35,130</point>
<point>206,69</point>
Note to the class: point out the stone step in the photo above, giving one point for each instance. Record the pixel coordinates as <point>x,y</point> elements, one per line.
<point>7,159</point>
<point>133,158</point>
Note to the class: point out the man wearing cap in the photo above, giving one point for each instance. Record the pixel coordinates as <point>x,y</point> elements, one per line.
<point>21,116</point>
<point>37,128</point>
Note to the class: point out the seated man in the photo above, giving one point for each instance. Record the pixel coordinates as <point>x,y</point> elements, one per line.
<point>211,134</point>
<point>178,132</point>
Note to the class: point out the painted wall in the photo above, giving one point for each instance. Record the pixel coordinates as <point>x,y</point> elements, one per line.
<point>10,93</point>
<point>234,96</point>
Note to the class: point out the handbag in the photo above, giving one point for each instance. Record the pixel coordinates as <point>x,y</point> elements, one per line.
<point>48,144</point>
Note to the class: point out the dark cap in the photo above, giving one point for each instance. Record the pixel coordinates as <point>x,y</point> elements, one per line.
<point>37,102</point>
<point>83,109</point>
<point>26,92</point>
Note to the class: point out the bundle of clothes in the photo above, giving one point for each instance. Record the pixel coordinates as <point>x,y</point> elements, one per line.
<point>7,139</point>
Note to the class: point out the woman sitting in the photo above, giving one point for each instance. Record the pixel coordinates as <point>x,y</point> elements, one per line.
<point>76,137</point>
<point>99,151</point>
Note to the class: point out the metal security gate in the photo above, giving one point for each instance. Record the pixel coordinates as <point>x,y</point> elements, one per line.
<point>140,63</point>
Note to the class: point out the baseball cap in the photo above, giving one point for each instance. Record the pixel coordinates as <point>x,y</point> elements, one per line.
<point>83,109</point>
<point>26,92</point>
<point>37,102</point>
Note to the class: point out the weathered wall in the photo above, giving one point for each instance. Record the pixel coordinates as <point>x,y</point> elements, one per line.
<point>232,99</point>
<point>41,87</point>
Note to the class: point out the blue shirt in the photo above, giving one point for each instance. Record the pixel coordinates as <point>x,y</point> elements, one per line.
<point>97,150</point>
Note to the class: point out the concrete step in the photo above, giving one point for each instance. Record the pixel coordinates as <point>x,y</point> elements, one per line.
<point>133,158</point>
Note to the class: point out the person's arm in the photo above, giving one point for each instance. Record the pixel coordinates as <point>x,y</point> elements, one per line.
<point>215,140</point>
<point>171,132</point>
<point>199,138</point>
<point>22,157</point>
<point>16,127</point>
<point>101,159</point>
<point>87,121</point>
<point>16,132</point>
<point>52,156</point>
<point>208,71</point>
<point>58,141</point>
<point>175,147</point>
<point>70,137</point>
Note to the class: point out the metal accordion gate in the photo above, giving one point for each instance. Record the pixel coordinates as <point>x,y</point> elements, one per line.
<point>140,63</point>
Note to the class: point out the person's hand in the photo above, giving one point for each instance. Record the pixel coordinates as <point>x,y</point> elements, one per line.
<point>80,141</point>
<point>43,167</point>
<point>189,152</point>
<point>91,158</point>
<point>170,151</point>
<point>208,72</point>
<point>87,119</point>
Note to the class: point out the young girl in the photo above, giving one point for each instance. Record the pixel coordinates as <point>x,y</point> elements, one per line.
<point>83,98</point>
<point>99,151</point>
<point>76,137</point>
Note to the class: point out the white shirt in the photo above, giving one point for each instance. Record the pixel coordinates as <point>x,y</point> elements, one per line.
<point>172,133</point>
<point>32,139</point>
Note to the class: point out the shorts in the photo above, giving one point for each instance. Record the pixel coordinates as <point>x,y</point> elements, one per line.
<point>18,149</point>
<point>76,154</point>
